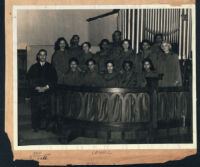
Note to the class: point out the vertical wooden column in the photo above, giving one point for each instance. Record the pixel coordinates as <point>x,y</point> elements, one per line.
<point>154,108</point>
<point>152,85</point>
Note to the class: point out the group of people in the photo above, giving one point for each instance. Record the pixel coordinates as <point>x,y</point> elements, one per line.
<point>115,65</point>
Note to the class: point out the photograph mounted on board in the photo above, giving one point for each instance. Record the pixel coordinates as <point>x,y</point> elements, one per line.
<point>104,76</point>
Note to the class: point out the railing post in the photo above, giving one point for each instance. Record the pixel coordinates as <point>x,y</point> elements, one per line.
<point>152,86</point>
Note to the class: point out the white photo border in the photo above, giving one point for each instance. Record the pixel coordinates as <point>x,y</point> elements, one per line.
<point>100,146</point>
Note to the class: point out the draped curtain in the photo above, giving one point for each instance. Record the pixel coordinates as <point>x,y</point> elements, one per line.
<point>174,24</point>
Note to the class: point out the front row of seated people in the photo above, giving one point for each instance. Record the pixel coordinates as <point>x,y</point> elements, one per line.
<point>92,78</point>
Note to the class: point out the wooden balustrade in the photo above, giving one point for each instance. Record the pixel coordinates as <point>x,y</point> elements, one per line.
<point>119,109</point>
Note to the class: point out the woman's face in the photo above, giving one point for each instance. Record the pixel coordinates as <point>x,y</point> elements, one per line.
<point>117,36</point>
<point>104,45</point>
<point>110,67</point>
<point>145,46</point>
<point>73,65</point>
<point>125,45</point>
<point>62,45</point>
<point>127,67</point>
<point>158,39</point>
<point>147,66</point>
<point>91,65</point>
<point>86,48</point>
<point>165,47</point>
<point>76,40</point>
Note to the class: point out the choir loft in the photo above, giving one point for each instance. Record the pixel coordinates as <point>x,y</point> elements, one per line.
<point>121,76</point>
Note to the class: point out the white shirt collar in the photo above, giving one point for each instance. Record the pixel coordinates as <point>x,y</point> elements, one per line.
<point>42,63</point>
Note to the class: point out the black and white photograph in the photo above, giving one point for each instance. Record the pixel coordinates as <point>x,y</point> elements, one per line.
<point>113,75</point>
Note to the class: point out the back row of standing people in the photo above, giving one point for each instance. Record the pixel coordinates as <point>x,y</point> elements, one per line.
<point>160,53</point>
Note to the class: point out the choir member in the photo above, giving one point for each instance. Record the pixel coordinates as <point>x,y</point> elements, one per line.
<point>145,51</point>
<point>126,54</point>
<point>73,77</point>
<point>72,101</point>
<point>60,58</point>
<point>42,78</point>
<point>116,45</point>
<point>128,78</point>
<point>148,71</point>
<point>92,77</point>
<point>103,55</point>
<point>169,66</point>
<point>110,76</point>
<point>85,55</point>
<point>156,50</point>
<point>75,49</point>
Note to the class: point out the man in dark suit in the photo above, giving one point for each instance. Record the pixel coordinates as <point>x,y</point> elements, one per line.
<point>41,78</point>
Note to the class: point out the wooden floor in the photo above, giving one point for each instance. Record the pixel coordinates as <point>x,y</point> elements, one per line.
<point>28,137</point>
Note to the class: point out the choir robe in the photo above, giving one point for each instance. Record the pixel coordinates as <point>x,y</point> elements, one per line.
<point>40,76</point>
<point>126,56</point>
<point>170,67</point>
<point>111,80</point>
<point>73,78</point>
<point>102,57</point>
<point>142,81</point>
<point>128,79</point>
<point>75,52</point>
<point>155,55</point>
<point>60,61</point>
<point>139,58</point>
<point>83,60</point>
<point>93,79</point>
<point>115,52</point>
<point>116,48</point>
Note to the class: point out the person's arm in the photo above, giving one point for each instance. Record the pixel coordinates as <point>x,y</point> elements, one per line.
<point>31,82</point>
<point>28,90</point>
<point>53,78</point>
<point>177,72</point>
<point>53,59</point>
<point>55,63</point>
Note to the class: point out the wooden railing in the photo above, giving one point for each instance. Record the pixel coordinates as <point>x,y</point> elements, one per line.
<point>119,109</point>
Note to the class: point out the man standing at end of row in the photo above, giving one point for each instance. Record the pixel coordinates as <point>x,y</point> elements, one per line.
<point>41,78</point>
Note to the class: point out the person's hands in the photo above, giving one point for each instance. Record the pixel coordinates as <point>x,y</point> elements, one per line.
<point>42,89</point>
<point>79,69</point>
<point>37,88</point>
<point>27,99</point>
<point>177,83</point>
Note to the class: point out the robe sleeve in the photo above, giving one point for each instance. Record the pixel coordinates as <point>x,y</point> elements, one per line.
<point>53,77</point>
<point>32,82</point>
<point>177,71</point>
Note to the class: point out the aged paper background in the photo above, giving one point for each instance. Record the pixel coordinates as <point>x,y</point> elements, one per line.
<point>89,157</point>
